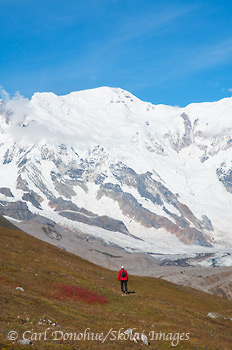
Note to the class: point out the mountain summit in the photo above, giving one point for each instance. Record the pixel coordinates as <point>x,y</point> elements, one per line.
<point>147,178</point>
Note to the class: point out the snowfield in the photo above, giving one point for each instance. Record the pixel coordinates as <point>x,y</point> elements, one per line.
<point>149,178</point>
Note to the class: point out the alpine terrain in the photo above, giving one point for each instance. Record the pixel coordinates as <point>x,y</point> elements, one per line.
<point>52,298</point>
<point>103,166</point>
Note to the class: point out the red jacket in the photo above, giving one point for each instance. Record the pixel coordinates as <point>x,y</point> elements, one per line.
<point>120,278</point>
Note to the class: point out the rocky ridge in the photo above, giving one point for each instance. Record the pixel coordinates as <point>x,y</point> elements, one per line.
<point>105,162</point>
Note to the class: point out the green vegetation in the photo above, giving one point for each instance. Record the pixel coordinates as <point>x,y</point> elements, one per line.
<point>50,276</point>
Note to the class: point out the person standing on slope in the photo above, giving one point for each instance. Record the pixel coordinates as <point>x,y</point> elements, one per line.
<point>123,278</point>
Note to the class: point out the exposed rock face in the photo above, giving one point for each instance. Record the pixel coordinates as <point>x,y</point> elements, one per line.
<point>225,176</point>
<point>206,223</point>
<point>51,232</point>
<point>99,221</point>
<point>73,212</point>
<point>16,210</point>
<point>111,161</point>
<point>178,219</point>
<point>22,184</point>
<point>131,208</point>
<point>62,188</point>
<point>177,141</point>
<point>31,198</point>
<point>6,191</point>
<point>158,194</point>
<point>59,204</point>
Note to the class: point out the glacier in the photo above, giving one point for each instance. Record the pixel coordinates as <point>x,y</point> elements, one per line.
<point>147,178</point>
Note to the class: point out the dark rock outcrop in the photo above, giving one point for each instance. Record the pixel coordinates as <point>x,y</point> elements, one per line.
<point>6,191</point>
<point>29,197</point>
<point>59,204</point>
<point>100,221</point>
<point>16,210</point>
<point>225,176</point>
<point>132,208</point>
<point>51,232</point>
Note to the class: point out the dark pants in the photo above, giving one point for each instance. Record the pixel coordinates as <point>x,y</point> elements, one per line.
<point>125,284</point>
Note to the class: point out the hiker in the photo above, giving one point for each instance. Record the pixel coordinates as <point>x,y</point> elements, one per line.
<point>123,278</point>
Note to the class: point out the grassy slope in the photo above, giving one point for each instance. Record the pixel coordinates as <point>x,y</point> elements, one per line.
<point>157,305</point>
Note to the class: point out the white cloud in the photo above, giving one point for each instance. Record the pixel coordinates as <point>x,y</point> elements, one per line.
<point>4,94</point>
<point>25,123</point>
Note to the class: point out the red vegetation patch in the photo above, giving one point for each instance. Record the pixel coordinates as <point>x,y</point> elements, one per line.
<point>75,293</point>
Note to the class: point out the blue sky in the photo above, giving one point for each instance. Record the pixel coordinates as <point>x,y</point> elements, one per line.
<point>171,52</point>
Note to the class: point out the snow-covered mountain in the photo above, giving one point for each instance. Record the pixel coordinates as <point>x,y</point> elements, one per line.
<point>149,178</point>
